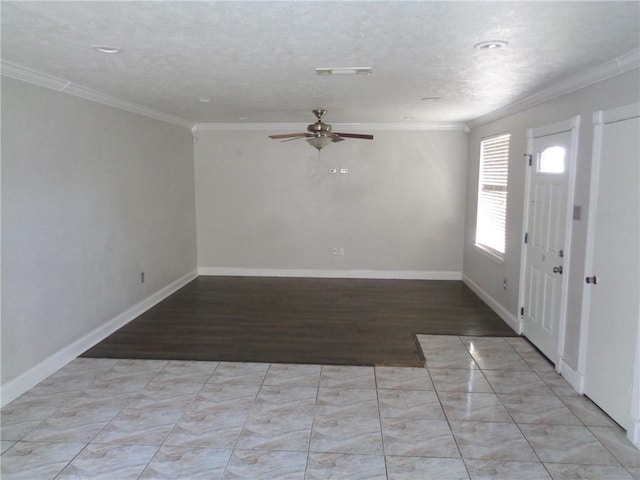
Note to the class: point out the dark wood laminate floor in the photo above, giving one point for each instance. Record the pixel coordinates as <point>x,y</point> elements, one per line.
<point>302,320</point>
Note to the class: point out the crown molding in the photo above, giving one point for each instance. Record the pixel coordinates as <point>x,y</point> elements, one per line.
<point>18,72</point>
<point>27,75</point>
<point>453,126</point>
<point>604,71</point>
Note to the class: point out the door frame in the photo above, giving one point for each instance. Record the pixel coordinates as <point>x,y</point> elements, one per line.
<point>600,119</point>
<point>571,125</point>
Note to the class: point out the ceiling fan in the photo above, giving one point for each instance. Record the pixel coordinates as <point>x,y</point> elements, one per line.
<point>319,134</point>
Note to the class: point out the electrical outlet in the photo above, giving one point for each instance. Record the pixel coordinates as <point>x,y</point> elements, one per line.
<point>333,170</point>
<point>344,170</point>
<point>341,251</point>
<point>334,251</point>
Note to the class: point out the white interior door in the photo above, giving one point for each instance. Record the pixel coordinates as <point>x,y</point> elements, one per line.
<point>547,230</point>
<point>611,295</point>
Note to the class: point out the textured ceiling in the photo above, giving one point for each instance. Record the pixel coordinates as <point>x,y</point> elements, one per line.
<point>256,60</point>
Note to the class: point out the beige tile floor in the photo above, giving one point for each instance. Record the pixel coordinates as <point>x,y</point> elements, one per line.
<point>483,408</point>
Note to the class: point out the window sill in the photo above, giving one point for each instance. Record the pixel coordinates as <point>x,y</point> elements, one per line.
<point>491,254</point>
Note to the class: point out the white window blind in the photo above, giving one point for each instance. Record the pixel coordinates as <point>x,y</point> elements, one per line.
<point>492,194</point>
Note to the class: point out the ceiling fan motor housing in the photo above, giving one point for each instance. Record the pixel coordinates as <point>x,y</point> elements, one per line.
<point>319,128</point>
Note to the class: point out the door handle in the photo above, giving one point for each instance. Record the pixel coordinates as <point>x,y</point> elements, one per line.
<point>557,269</point>
<point>592,280</point>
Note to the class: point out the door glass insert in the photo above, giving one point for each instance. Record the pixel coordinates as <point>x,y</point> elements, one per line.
<point>551,160</point>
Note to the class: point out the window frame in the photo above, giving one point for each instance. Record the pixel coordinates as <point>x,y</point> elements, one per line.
<point>493,162</point>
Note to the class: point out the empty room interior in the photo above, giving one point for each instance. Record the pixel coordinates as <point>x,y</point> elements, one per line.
<point>320,239</point>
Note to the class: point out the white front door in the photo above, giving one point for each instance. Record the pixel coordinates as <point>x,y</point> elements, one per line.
<point>613,268</point>
<point>546,238</point>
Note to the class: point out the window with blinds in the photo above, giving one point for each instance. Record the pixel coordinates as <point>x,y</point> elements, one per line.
<point>492,194</point>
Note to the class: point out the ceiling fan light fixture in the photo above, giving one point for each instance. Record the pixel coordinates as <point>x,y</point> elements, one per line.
<point>344,70</point>
<point>319,142</point>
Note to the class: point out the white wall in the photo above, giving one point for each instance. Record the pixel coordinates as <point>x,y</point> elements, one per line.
<point>91,197</point>
<point>265,205</point>
<point>488,274</point>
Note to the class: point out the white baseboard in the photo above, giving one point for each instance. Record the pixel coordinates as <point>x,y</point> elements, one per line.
<point>502,312</point>
<point>571,375</point>
<point>23,382</point>
<point>312,273</point>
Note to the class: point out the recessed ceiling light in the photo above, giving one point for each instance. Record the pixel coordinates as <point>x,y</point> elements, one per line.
<point>242,118</point>
<point>408,118</point>
<point>107,49</point>
<point>204,100</point>
<point>491,45</point>
<point>344,70</point>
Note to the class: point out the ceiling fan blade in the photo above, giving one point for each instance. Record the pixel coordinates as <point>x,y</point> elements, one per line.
<point>296,138</point>
<point>354,135</point>
<point>288,135</point>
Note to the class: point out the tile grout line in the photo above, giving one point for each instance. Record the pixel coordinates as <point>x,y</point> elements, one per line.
<point>180,419</point>
<point>384,451</point>
<point>605,447</point>
<point>235,445</point>
<point>513,419</point>
<point>517,424</point>
<point>313,422</point>
<point>86,444</point>
<point>446,417</point>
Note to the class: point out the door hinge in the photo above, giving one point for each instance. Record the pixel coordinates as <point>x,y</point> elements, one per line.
<point>526,237</point>
<point>521,312</point>
<point>529,158</point>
